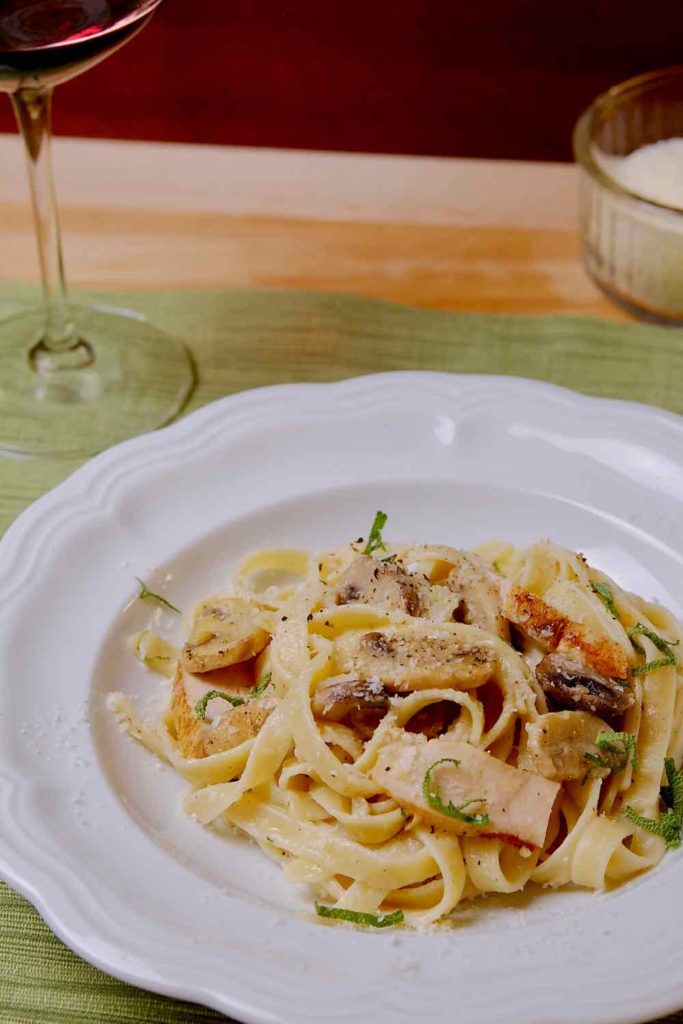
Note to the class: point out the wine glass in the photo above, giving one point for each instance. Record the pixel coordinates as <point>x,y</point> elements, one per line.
<point>74,380</point>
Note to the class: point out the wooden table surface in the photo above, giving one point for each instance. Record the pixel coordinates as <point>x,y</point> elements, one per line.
<point>454,234</point>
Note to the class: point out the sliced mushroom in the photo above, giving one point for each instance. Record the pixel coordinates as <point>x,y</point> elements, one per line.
<point>572,684</point>
<point>433,720</point>
<point>360,703</point>
<point>557,744</point>
<point>555,632</point>
<point>223,728</point>
<point>372,581</point>
<point>478,588</point>
<point>518,803</point>
<point>414,659</point>
<point>225,631</point>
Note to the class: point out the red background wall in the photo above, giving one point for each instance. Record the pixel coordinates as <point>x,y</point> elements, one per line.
<point>504,78</point>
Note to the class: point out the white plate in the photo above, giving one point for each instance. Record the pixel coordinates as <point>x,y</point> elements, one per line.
<point>91,830</point>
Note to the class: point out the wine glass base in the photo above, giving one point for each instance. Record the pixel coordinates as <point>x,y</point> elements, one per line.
<point>137,379</point>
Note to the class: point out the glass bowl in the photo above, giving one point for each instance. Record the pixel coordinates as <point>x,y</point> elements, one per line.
<point>632,241</point>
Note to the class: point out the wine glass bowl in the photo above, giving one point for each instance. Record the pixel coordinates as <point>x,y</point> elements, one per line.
<point>46,42</point>
<point>74,380</point>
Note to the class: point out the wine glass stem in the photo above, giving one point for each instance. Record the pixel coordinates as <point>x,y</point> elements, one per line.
<point>33,109</point>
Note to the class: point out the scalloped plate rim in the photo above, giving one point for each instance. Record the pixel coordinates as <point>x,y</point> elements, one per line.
<point>40,895</point>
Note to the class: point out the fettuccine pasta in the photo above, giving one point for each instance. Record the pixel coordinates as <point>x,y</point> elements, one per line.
<point>404,727</point>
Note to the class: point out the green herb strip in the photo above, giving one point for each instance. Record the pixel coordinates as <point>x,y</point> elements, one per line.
<point>138,643</point>
<point>263,683</point>
<point>619,748</point>
<point>256,691</point>
<point>200,706</point>
<point>145,594</point>
<point>432,795</point>
<point>360,917</point>
<point>672,795</point>
<point>662,645</point>
<point>375,542</point>
<point>604,592</point>
<point>669,824</point>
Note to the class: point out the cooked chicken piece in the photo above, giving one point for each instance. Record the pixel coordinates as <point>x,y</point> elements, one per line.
<point>358,702</point>
<point>372,581</point>
<point>224,631</point>
<point>230,726</point>
<point>518,803</point>
<point>555,632</point>
<point>416,658</point>
<point>238,724</point>
<point>571,683</point>
<point>479,590</point>
<point>189,730</point>
<point>557,744</point>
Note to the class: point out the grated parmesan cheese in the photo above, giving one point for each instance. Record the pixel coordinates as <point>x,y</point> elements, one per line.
<point>654,172</point>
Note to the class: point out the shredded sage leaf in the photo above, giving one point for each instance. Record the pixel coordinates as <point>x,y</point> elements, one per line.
<point>360,917</point>
<point>604,592</point>
<point>670,823</point>
<point>375,542</point>
<point>618,749</point>
<point>145,594</point>
<point>263,683</point>
<point>156,653</point>
<point>256,691</point>
<point>200,706</point>
<point>432,795</point>
<point>662,645</point>
<point>672,795</point>
<point>139,640</point>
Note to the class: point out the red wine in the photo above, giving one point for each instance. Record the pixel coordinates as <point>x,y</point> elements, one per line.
<point>44,42</point>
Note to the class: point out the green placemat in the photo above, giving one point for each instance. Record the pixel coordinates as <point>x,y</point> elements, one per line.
<point>247,339</point>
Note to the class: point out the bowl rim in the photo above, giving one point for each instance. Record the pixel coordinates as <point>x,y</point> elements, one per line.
<point>581,133</point>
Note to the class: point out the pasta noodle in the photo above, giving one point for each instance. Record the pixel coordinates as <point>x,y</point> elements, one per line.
<point>407,726</point>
